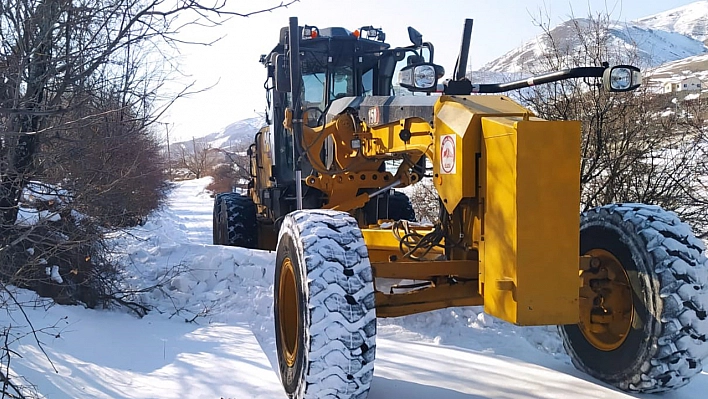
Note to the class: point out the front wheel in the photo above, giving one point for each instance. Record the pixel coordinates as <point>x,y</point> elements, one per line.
<point>325,319</point>
<point>643,302</point>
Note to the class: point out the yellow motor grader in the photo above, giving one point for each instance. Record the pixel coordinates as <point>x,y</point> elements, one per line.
<point>350,119</point>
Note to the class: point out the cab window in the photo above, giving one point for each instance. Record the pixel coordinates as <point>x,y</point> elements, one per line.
<point>342,82</point>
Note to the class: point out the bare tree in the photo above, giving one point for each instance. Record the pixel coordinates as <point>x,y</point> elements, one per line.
<point>630,152</point>
<point>79,84</point>
<point>199,159</point>
<point>234,170</point>
<point>425,201</point>
<point>55,49</point>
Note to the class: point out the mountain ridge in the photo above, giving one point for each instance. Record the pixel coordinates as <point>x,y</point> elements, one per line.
<point>689,20</point>
<point>657,39</point>
<point>671,44</point>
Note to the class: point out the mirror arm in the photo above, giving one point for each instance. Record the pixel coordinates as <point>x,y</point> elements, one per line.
<point>465,87</point>
<point>431,49</point>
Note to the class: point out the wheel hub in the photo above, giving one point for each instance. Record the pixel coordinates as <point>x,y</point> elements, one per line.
<point>606,308</point>
<point>289,312</point>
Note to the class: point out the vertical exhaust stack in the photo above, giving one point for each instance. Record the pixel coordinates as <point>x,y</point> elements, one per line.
<point>294,48</point>
<point>461,68</point>
<point>459,85</point>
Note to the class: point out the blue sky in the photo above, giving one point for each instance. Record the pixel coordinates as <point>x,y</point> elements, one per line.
<point>499,26</point>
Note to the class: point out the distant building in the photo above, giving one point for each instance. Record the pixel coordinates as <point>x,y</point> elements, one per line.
<point>688,84</point>
<point>671,87</point>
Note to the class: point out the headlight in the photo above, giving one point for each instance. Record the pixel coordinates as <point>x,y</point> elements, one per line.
<point>622,78</point>
<point>422,77</point>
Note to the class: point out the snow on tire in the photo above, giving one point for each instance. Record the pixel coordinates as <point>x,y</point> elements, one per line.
<point>325,319</point>
<point>664,343</point>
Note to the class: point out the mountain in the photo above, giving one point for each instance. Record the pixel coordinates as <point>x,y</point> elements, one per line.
<point>235,134</point>
<point>658,39</point>
<point>690,20</point>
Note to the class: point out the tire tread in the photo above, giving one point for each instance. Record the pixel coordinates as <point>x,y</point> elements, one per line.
<point>342,327</point>
<point>681,270</point>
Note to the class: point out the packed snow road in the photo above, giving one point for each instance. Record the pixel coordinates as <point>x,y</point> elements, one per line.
<point>211,335</point>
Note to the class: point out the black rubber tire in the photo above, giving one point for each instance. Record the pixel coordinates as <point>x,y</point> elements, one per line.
<point>394,206</point>
<point>217,227</point>
<point>400,207</point>
<point>235,221</point>
<point>668,274</point>
<point>336,326</point>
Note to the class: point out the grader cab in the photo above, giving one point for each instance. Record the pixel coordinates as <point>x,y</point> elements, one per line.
<point>625,283</point>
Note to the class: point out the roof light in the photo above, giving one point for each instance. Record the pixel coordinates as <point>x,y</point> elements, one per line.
<point>371,33</point>
<point>310,32</point>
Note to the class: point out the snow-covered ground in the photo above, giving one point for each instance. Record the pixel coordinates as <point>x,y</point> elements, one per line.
<point>211,333</point>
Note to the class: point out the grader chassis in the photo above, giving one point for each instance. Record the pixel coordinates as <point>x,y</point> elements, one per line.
<point>628,289</point>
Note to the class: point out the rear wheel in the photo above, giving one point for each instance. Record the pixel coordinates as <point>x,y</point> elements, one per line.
<point>235,221</point>
<point>325,318</point>
<point>216,225</point>
<point>643,302</point>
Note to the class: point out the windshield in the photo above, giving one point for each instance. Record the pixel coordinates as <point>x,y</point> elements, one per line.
<point>318,90</point>
<point>313,96</point>
<point>313,90</point>
<point>342,82</point>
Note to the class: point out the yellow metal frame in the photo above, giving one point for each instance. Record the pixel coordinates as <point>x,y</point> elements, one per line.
<point>358,169</point>
<point>530,192</point>
<point>427,299</point>
<point>508,180</point>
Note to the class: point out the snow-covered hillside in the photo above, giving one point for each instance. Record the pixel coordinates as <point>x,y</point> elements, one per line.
<point>690,20</point>
<point>657,39</point>
<point>696,66</point>
<point>235,134</point>
<point>211,333</point>
<point>653,46</point>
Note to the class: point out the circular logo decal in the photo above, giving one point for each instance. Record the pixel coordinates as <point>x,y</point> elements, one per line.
<point>447,154</point>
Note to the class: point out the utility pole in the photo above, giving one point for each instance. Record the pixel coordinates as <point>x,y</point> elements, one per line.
<point>169,160</point>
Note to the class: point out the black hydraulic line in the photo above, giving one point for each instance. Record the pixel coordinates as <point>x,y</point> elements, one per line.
<point>461,68</point>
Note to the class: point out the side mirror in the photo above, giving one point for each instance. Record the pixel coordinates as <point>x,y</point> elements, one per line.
<point>420,77</point>
<point>415,36</point>
<point>282,74</point>
<point>621,78</point>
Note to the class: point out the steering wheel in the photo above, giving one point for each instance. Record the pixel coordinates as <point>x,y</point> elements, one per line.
<point>313,117</point>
